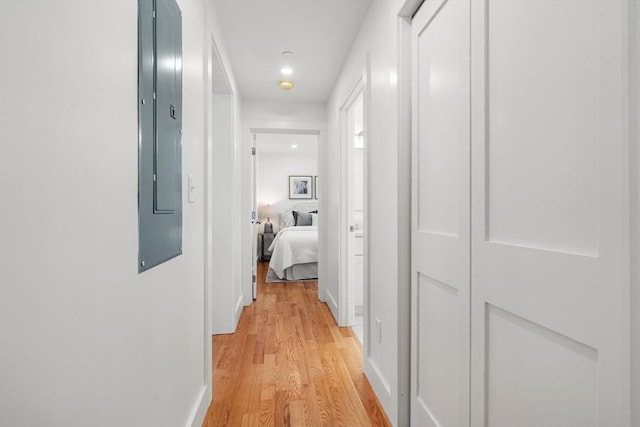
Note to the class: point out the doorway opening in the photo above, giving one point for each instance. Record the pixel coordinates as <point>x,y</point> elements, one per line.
<point>283,159</point>
<point>221,168</point>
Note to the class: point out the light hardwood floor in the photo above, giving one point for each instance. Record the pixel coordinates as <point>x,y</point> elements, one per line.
<point>289,364</point>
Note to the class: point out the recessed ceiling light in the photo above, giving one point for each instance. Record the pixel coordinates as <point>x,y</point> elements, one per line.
<point>286,84</point>
<point>294,146</point>
<point>286,71</point>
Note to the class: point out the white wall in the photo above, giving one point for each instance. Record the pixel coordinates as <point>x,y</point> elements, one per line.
<point>273,180</point>
<point>86,340</point>
<point>378,40</point>
<point>283,111</point>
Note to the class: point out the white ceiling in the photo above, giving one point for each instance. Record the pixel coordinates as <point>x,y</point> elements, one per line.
<point>281,143</point>
<point>318,32</point>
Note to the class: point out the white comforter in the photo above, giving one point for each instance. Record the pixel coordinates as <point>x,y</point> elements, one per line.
<point>293,245</point>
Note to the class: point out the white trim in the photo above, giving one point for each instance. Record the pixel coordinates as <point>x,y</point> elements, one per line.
<point>628,44</point>
<point>208,233</point>
<point>634,164</point>
<point>379,383</point>
<point>205,394</point>
<point>404,217</point>
<point>269,126</point>
<point>409,8</point>
<point>378,377</point>
<point>200,408</point>
<point>331,302</point>
<point>292,131</point>
<point>225,75</point>
<point>238,311</point>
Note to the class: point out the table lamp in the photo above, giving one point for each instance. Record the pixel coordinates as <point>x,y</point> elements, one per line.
<point>267,211</point>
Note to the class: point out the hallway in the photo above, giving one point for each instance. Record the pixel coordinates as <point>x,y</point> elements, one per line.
<point>501,213</point>
<point>289,364</point>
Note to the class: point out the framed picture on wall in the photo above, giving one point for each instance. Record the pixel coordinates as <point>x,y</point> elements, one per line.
<point>300,187</point>
<point>315,187</point>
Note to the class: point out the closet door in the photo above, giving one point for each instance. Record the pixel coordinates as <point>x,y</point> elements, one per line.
<point>550,218</point>
<point>441,215</point>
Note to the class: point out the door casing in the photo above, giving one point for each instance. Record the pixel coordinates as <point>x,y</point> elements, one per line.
<point>346,295</point>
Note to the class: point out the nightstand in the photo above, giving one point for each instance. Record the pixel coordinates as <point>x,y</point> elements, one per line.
<point>264,241</point>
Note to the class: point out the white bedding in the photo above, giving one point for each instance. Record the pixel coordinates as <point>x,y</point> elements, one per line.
<point>293,245</point>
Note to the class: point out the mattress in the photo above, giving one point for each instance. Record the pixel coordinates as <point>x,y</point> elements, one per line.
<point>294,246</point>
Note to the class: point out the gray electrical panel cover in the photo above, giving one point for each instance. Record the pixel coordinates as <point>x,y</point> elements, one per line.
<point>159,132</point>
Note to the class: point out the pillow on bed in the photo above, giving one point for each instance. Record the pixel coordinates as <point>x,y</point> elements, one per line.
<point>314,219</point>
<point>286,220</point>
<point>302,218</point>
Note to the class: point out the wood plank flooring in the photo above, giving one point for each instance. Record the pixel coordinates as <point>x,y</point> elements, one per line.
<point>289,364</point>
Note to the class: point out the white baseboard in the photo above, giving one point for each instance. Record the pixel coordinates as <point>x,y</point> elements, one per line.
<point>333,305</point>
<point>381,388</point>
<point>229,324</point>
<point>238,312</point>
<point>200,407</point>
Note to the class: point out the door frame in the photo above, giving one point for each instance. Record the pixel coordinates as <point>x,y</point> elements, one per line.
<point>250,128</point>
<point>346,312</point>
<point>405,15</point>
<point>216,84</point>
<point>634,119</point>
<point>221,117</point>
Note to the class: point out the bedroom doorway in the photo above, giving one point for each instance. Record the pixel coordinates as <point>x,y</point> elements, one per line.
<point>280,156</point>
<point>353,211</point>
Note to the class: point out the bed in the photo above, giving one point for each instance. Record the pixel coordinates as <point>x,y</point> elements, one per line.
<point>295,248</point>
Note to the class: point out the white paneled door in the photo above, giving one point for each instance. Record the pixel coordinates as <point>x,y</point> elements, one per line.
<point>550,336</point>
<point>520,256</point>
<point>441,223</point>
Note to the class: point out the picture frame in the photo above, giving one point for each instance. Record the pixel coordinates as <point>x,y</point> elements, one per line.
<point>315,187</point>
<point>300,186</point>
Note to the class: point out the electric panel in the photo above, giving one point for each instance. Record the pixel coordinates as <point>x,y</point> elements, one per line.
<point>160,131</point>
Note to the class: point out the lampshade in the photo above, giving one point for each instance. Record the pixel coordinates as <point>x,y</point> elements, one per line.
<point>266,211</point>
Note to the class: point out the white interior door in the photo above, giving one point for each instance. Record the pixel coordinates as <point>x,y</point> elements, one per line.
<point>550,214</point>
<point>254,220</point>
<point>356,209</point>
<point>549,246</point>
<point>440,215</point>
<point>352,211</point>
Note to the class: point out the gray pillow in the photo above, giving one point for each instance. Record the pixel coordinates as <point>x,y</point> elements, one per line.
<point>302,218</point>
